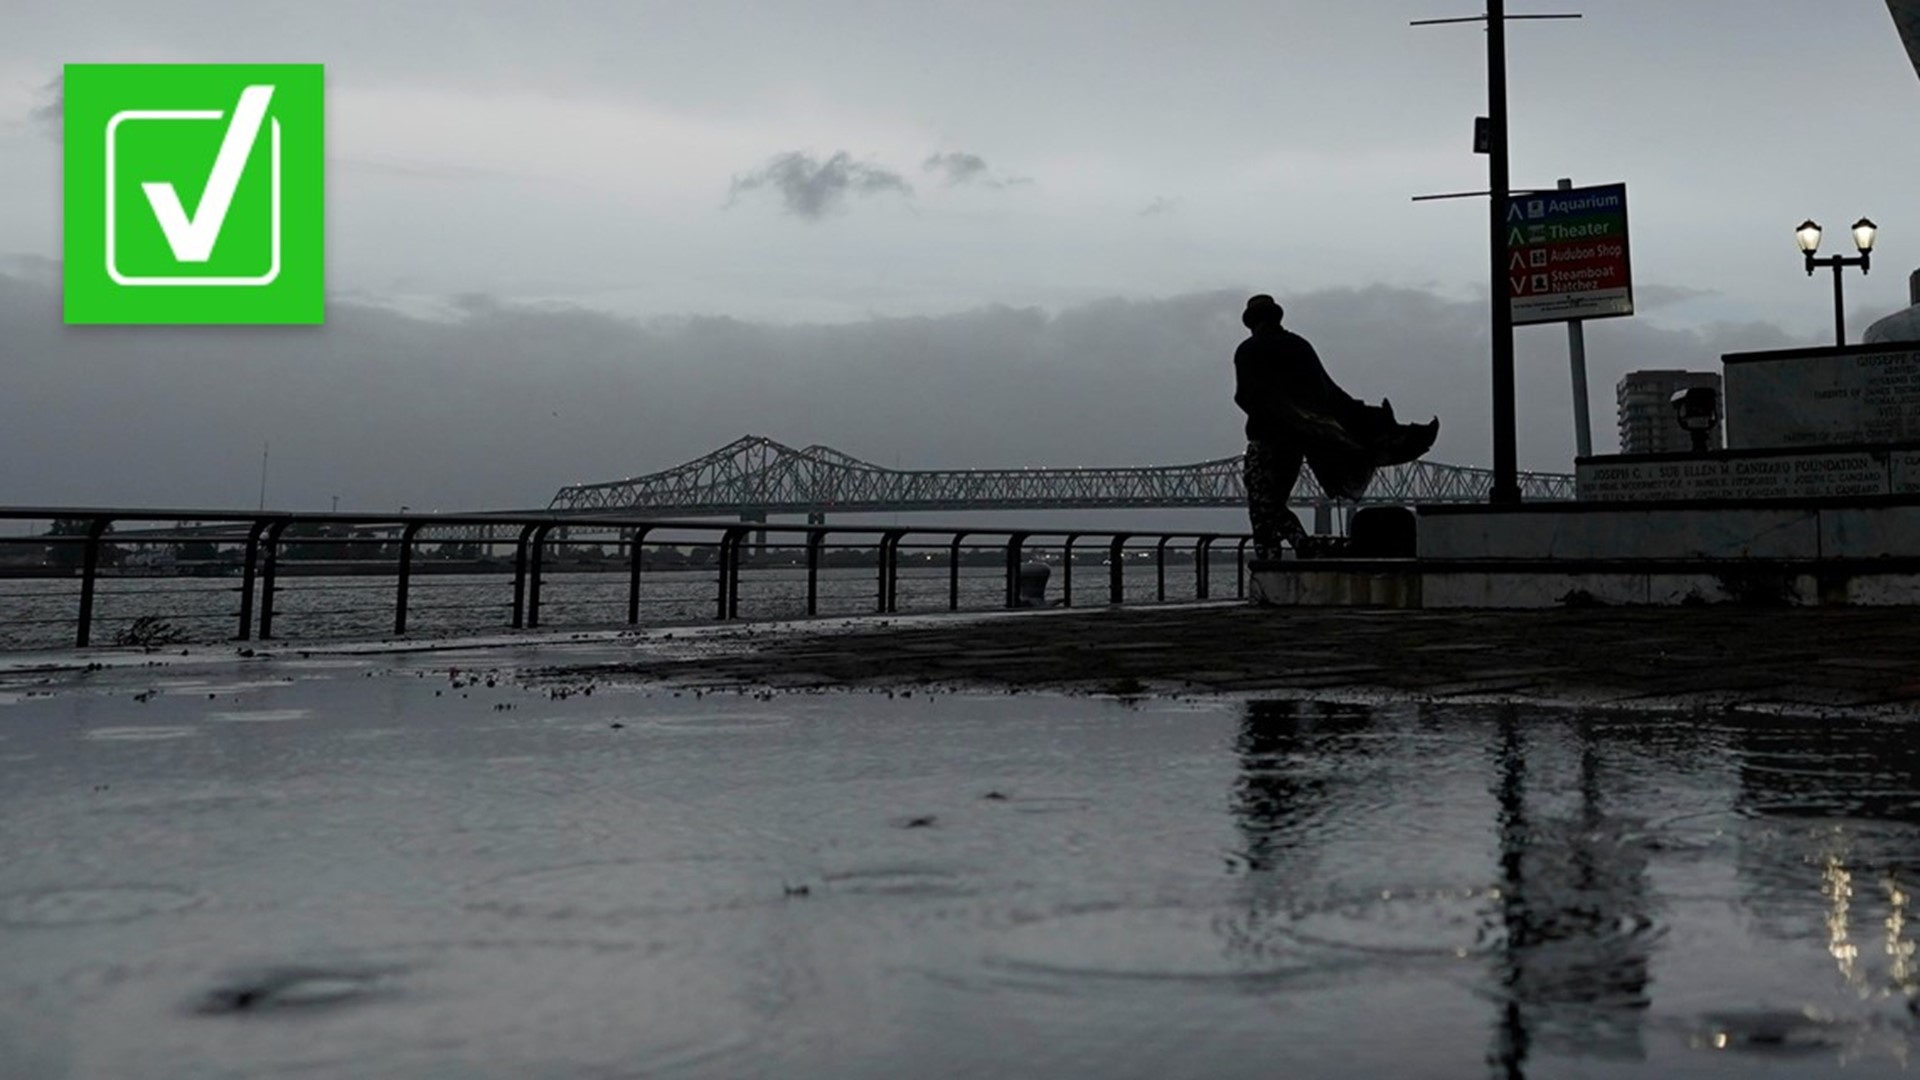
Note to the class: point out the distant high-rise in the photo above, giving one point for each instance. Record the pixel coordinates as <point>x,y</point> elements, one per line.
<point>1906,18</point>
<point>1647,422</point>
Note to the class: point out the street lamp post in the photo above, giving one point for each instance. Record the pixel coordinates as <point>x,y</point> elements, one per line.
<point>1808,237</point>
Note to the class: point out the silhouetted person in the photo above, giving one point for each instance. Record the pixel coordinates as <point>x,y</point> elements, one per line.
<point>1297,414</point>
<point>1272,368</point>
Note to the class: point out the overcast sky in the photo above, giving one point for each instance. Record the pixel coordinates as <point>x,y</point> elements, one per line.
<point>579,241</point>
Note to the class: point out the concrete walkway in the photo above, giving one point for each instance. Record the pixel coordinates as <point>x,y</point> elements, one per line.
<point>1793,659</point>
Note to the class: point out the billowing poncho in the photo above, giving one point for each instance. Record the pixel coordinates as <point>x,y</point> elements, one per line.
<point>1291,402</point>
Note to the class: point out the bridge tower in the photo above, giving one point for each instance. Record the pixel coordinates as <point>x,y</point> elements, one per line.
<point>752,516</point>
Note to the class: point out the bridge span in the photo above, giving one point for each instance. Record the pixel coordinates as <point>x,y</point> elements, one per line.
<point>754,476</point>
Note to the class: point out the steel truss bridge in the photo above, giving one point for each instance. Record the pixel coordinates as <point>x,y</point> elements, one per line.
<point>755,476</point>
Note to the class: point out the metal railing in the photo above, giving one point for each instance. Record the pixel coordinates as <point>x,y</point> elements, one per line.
<point>264,539</point>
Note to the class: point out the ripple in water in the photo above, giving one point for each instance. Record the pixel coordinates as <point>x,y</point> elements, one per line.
<point>1437,922</point>
<point>717,722</point>
<point>1146,943</point>
<point>898,880</point>
<point>100,904</point>
<point>259,716</point>
<point>139,734</point>
<point>621,889</point>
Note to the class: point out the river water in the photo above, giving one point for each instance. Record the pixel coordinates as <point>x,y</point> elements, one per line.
<point>423,867</point>
<point>40,613</point>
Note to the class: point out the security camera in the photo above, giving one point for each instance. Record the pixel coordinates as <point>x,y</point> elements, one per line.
<point>1698,410</point>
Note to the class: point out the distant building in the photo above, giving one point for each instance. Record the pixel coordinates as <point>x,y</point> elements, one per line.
<point>1647,424</point>
<point>1902,325</point>
<point>1906,19</point>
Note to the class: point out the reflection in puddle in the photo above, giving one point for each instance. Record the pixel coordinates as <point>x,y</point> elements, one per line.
<point>1558,907</point>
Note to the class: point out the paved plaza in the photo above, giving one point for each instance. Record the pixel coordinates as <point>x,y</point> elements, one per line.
<point>1702,657</point>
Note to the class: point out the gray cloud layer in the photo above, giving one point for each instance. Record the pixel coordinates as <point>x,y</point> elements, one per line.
<point>50,113</point>
<point>504,403</point>
<point>812,188</point>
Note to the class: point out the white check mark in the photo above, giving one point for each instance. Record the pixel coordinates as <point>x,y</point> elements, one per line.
<point>192,239</point>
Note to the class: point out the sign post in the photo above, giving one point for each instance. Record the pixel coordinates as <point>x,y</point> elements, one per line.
<point>1577,368</point>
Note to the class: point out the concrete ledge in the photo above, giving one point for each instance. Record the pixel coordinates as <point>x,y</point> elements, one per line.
<point>1668,533</point>
<point>1768,531</point>
<point>1312,585</point>
<point>1449,584</point>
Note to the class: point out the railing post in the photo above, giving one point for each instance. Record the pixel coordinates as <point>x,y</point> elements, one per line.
<point>1116,569</point>
<point>633,574</point>
<point>246,581</point>
<point>1015,542</point>
<point>889,569</point>
<point>733,572</point>
<point>953,572</point>
<point>536,557</point>
<point>1240,569</point>
<point>89,569</point>
<point>269,572</point>
<point>816,539</point>
<point>1160,568</point>
<point>520,576</point>
<point>407,533</point>
<point>1202,585</point>
<point>730,540</point>
<point>1066,570</point>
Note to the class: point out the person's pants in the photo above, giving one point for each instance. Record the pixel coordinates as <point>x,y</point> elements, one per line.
<point>1270,473</point>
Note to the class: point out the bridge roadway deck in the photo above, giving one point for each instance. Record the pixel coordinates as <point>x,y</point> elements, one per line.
<point>1794,660</point>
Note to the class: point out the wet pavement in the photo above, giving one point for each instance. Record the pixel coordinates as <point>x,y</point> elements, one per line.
<point>1793,659</point>
<point>516,859</point>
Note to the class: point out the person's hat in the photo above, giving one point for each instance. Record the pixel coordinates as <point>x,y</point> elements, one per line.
<point>1261,309</point>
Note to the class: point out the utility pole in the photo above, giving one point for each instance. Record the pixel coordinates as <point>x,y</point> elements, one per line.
<point>1506,458</point>
<point>1506,464</point>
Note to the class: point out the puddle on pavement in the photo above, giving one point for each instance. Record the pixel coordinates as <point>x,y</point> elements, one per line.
<point>825,885</point>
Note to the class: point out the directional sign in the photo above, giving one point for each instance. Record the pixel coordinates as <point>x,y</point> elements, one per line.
<point>1567,254</point>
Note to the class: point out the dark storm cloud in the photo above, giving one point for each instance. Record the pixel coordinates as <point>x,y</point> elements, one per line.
<point>812,188</point>
<point>959,167</point>
<point>500,404</point>
<point>50,111</point>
